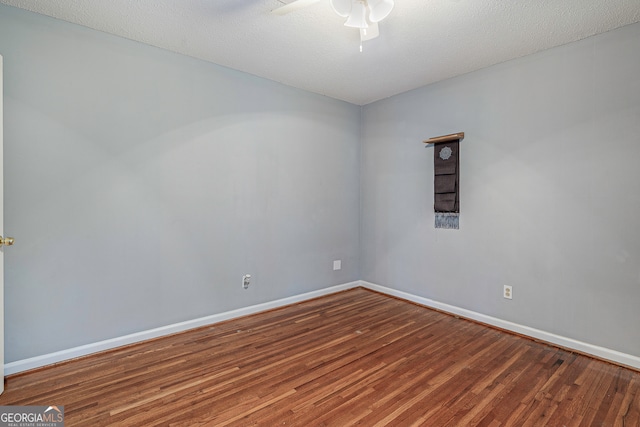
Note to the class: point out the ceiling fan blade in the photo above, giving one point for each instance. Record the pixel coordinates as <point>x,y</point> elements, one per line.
<point>293,6</point>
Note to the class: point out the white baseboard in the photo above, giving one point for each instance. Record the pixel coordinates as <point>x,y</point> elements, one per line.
<point>568,343</point>
<point>72,353</point>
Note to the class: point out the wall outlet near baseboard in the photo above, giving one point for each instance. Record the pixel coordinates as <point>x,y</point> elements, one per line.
<point>337,264</point>
<point>246,280</point>
<point>507,292</point>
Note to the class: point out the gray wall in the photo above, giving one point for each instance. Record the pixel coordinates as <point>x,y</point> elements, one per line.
<point>141,185</point>
<point>550,198</point>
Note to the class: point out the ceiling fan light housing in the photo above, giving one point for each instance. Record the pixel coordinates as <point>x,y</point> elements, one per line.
<point>341,7</point>
<point>380,9</point>
<point>369,33</point>
<point>358,16</point>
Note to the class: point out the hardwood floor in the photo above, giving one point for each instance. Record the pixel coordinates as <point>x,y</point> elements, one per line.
<point>352,358</point>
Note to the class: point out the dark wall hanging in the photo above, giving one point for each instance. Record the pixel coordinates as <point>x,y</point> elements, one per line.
<point>446,179</point>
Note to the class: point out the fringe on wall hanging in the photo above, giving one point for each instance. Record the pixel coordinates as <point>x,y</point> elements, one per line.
<point>446,180</point>
<point>450,220</point>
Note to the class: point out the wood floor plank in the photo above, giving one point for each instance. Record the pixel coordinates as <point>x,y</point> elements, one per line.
<point>352,358</point>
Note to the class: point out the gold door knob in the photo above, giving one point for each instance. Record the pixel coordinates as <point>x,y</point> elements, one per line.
<point>6,241</point>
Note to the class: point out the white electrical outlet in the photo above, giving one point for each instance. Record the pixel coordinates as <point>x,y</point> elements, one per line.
<point>246,280</point>
<point>507,292</point>
<point>337,264</point>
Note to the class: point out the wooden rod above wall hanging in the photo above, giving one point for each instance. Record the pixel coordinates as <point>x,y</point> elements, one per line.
<point>445,138</point>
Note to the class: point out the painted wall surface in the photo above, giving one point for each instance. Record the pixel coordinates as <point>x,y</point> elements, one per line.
<point>549,195</point>
<point>141,185</point>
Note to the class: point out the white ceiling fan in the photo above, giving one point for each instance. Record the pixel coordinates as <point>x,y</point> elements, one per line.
<point>361,14</point>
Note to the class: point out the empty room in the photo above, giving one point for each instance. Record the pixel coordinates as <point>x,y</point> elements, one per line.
<point>320,213</point>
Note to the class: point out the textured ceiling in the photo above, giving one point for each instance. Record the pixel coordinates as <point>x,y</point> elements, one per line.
<point>421,42</point>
